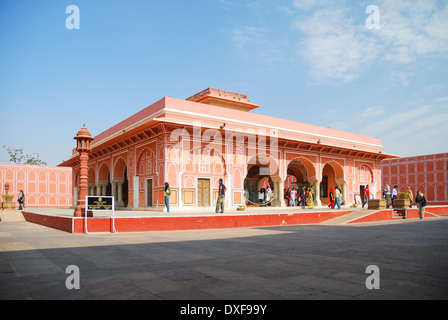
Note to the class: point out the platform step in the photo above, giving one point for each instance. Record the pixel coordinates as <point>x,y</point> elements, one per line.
<point>359,213</point>
<point>11,215</point>
<point>399,214</point>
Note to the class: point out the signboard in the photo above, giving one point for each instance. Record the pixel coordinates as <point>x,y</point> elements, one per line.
<point>99,203</point>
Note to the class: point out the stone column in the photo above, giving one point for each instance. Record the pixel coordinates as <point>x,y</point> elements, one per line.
<point>104,189</point>
<point>344,193</point>
<point>101,189</point>
<point>136,191</point>
<point>229,193</point>
<point>317,201</point>
<point>278,192</point>
<point>281,186</point>
<point>114,185</point>
<point>120,202</point>
<point>344,196</point>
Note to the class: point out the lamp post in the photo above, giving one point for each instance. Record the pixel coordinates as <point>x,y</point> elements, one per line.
<point>83,147</point>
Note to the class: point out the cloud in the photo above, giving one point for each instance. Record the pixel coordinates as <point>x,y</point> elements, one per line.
<point>413,28</point>
<point>413,131</point>
<point>369,113</point>
<point>335,47</point>
<point>401,78</point>
<point>245,36</point>
<point>309,4</point>
<point>254,42</point>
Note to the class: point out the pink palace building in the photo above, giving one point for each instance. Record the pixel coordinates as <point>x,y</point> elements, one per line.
<point>216,134</point>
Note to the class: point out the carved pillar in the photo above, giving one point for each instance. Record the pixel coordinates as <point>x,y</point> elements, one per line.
<point>120,194</point>
<point>317,201</point>
<point>83,147</point>
<point>114,191</point>
<point>278,192</point>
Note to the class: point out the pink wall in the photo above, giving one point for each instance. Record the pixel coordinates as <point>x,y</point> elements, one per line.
<point>428,174</point>
<point>44,186</point>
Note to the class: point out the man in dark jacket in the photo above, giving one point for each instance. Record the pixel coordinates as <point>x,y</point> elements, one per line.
<point>421,204</point>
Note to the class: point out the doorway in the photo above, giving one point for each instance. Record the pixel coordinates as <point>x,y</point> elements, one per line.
<point>362,193</point>
<point>203,192</point>
<point>149,193</point>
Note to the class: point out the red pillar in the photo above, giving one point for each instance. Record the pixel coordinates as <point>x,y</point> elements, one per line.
<point>83,139</point>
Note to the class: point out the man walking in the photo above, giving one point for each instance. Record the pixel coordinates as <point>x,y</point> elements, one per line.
<point>387,195</point>
<point>221,197</point>
<point>366,196</point>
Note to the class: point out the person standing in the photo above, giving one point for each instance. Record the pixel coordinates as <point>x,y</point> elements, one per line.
<point>394,194</point>
<point>221,197</point>
<point>310,199</point>
<point>366,195</point>
<point>422,204</point>
<point>410,196</point>
<point>261,197</point>
<point>303,196</point>
<point>337,197</point>
<point>21,200</point>
<point>293,197</point>
<point>268,196</point>
<point>417,196</point>
<point>287,197</point>
<point>331,205</point>
<point>387,195</point>
<point>167,194</point>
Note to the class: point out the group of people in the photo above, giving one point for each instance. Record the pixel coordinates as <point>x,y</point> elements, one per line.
<point>335,198</point>
<point>294,197</point>
<point>420,199</point>
<point>265,196</point>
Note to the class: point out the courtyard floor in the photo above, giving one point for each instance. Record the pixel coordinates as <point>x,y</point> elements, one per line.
<point>270,263</point>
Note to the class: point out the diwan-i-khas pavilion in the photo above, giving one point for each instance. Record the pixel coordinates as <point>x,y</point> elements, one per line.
<point>213,135</point>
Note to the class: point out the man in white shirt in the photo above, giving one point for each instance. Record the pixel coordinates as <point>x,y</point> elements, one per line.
<point>394,194</point>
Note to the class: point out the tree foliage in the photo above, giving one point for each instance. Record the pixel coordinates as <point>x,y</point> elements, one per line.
<point>16,155</point>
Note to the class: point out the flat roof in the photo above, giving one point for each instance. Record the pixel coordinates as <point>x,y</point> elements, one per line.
<point>179,111</point>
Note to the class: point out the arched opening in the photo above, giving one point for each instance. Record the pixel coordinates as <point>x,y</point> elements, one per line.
<point>120,183</point>
<point>148,180</point>
<point>327,184</point>
<point>364,178</point>
<point>104,184</point>
<point>299,173</point>
<point>92,182</point>
<point>261,170</point>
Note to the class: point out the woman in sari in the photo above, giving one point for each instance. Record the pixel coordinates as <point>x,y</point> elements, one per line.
<point>331,198</point>
<point>310,199</point>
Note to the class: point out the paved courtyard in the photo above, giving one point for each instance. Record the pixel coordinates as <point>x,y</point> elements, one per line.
<point>275,263</point>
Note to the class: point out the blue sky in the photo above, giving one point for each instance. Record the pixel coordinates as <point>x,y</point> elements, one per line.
<point>311,61</point>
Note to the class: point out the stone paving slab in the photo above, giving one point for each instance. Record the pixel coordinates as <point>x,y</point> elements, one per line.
<point>270,263</point>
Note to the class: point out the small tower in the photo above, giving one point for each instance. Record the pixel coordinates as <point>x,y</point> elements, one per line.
<point>224,98</point>
<point>83,139</point>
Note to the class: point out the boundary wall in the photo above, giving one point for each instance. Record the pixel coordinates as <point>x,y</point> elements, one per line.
<point>44,186</point>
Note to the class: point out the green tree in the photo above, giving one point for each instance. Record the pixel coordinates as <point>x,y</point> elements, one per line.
<point>17,156</point>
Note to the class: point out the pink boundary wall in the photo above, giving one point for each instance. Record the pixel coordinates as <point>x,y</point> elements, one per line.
<point>44,186</point>
<point>428,173</point>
